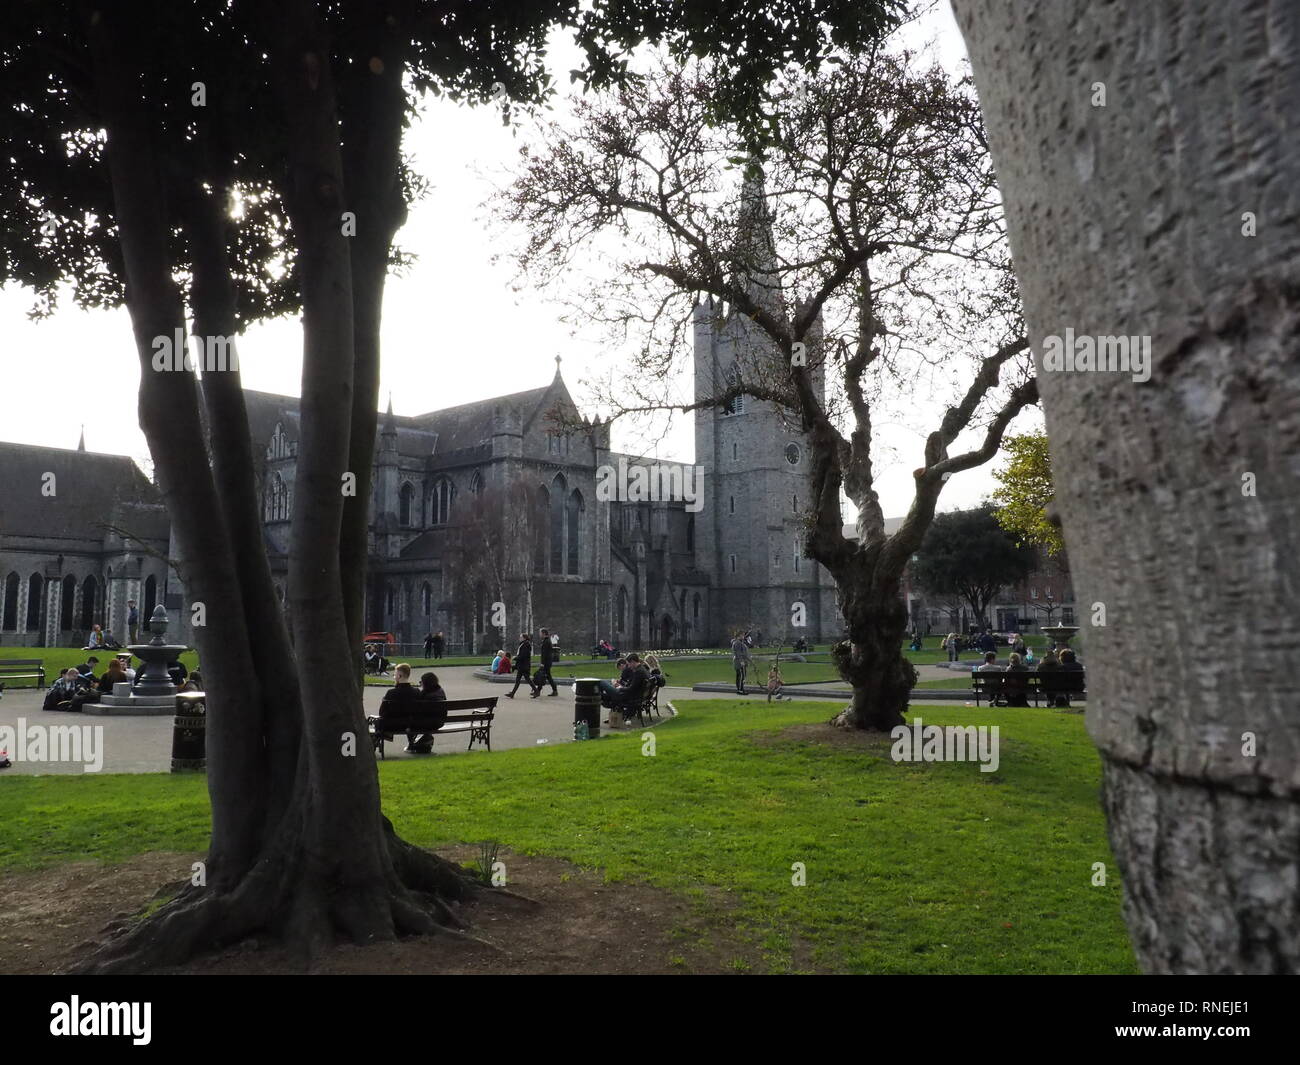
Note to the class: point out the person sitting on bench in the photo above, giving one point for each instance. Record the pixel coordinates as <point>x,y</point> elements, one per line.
<point>430,692</point>
<point>990,663</point>
<point>1014,689</point>
<point>627,696</point>
<point>403,696</point>
<point>609,689</point>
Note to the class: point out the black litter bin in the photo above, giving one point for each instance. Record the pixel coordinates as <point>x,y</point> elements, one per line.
<point>189,735</point>
<point>586,704</point>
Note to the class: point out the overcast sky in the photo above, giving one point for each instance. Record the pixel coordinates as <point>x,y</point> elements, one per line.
<point>453,329</point>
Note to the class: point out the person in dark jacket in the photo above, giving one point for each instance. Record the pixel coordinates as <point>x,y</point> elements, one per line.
<point>523,664</point>
<point>439,644</point>
<point>430,692</point>
<point>428,645</point>
<point>544,671</point>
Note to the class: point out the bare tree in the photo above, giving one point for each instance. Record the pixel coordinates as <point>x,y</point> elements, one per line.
<point>867,248</point>
<point>496,545</point>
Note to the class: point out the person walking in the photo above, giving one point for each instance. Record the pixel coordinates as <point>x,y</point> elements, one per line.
<point>439,642</point>
<point>523,664</point>
<point>428,645</point>
<point>543,677</point>
<point>740,661</point>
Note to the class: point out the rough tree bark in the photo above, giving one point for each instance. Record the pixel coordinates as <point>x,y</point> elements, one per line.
<point>1178,496</point>
<point>303,852</point>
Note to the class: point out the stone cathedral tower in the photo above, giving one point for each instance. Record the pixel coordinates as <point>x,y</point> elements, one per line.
<point>756,457</point>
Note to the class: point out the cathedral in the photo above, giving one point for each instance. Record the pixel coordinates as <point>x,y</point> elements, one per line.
<point>720,551</point>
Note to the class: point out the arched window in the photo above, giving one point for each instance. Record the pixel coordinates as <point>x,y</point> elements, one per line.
<point>558,494</point>
<point>476,483</point>
<point>621,613</point>
<point>35,596</point>
<point>69,598</point>
<point>736,405</point>
<point>695,608</point>
<point>426,599</point>
<point>405,496</point>
<point>390,601</point>
<point>275,503</point>
<point>150,598</point>
<point>573,521</point>
<point>440,502</point>
<point>9,621</point>
<point>690,532</point>
<point>542,514</point>
<point>88,589</point>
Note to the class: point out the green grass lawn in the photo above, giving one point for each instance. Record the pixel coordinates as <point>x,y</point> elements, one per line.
<point>911,868</point>
<point>57,659</point>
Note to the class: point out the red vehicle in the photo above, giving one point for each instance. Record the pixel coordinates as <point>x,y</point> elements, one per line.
<point>380,637</point>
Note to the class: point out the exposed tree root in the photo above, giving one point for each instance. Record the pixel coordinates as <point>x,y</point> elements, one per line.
<point>305,904</point>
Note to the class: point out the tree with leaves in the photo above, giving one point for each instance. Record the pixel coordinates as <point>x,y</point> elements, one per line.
<point>222,162</point>
<point>859,263</point>
<point>967,553</point>
<point>1150,172</point>
<point>1024,492</point>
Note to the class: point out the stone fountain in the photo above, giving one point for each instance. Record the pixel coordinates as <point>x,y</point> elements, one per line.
<point>1060,635</point>
<point>153,692</point>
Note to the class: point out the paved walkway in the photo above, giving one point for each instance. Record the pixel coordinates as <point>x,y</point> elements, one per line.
<point>144,744</point>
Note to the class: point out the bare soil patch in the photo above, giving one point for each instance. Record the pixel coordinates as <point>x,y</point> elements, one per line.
<point>52,918</point>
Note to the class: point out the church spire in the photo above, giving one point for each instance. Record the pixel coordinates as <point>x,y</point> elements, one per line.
<point>557,367</point>
<point>81,444</point>
<point>755,253</point>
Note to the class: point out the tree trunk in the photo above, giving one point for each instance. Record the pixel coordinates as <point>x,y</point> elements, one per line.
<point>1178,496</point>
<point>325,860</point>
<point>872,659</point>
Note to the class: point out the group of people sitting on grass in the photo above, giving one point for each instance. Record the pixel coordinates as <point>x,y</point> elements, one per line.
<point>373,660</point>
<point>1014,694</point>
<point>78,685</point>
<point>404,696</point>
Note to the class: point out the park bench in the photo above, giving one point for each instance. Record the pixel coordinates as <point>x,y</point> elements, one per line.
<point>463,715</point>
<point>23,669</point>
<point>1050,685</point>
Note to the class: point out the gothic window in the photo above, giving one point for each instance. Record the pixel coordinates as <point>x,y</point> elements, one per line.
<point>275,504</point>
<point>280,447</point>
<point>405,496</point>
<point>88,589</point>
<point>390,601</point>
<point>69,596</point>
<point>735,405</point>
<point>690,533</point>
<point>792,454</point>
<point>731,501</point>
<point>621,624</point>
<point>794,504</point>
<point>695,608</point>
<point>543,514</point>
<point>150,599</point>
<point>573,519</point>
<point>9,622</point>
<point>440,500</point>
<point>1067,615</point>
<point>558,500</point>
<point>35,595</point>
<point>476,483</point>
<point>733,563</point>
<point>426,599</point>
<point>735,451</point>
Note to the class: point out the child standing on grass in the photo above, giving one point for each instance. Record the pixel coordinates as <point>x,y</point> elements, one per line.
<point>774,683</point>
